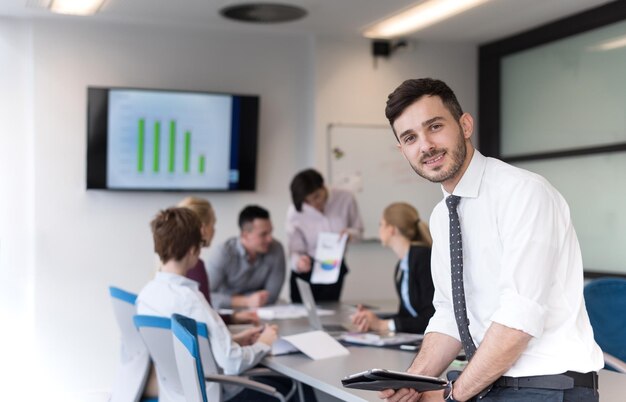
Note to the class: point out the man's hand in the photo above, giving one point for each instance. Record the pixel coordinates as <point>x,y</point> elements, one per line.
<point>304,264</point>
<point>400,395</point>
<point>248,336</point>
<point>436,353</point>
<point>365,320</point>
<point>410,395</point>
<point>269,335</point>
<point>258,298</point>
<point>245,317</point>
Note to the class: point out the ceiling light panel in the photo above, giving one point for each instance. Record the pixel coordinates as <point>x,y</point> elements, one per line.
<point>420,16</point>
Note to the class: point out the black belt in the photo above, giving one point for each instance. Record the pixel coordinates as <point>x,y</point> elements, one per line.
<point>567,380</point>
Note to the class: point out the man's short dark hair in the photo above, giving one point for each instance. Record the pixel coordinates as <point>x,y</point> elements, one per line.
<point>303,184</point>
<point>412,90</point>
<point>250,213</point>
<point>175,231</point>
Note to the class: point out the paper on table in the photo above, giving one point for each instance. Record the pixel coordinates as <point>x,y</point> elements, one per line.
<point>328,257</point>
<point>287,311</point>
<point>281,312</point>
<point>397,338</point>
<point>282,347</point>
<point>317,345</point>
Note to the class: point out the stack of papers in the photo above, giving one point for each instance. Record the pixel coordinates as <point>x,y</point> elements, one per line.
<point>287,311</point>
<point>371,339</point>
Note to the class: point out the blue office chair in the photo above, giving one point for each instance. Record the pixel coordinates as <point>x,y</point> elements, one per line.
<point>605,299</point>
<point>187,353</point>
<point>157,335</point>
<point>134,367</point>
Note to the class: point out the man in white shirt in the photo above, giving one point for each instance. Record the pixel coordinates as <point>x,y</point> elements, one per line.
<point>520,266</point>
<point>177,241</point>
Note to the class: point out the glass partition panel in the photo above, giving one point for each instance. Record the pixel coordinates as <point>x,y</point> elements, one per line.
<point>565,94</point>
<point>595,189</point>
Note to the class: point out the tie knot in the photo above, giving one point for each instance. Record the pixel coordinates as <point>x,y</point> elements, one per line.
<point>452,201</point>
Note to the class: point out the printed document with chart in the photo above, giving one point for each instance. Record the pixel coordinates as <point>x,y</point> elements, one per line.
<point>328,257</point>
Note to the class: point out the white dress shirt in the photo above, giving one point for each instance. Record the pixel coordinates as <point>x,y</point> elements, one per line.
<point>168,294</point>
<point>522,268</point>
<point>340,212</point>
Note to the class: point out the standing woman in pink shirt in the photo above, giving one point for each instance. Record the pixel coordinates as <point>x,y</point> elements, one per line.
<point>317,209</point>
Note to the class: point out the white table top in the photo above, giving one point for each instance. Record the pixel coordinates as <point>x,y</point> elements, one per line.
<point>326,374</point>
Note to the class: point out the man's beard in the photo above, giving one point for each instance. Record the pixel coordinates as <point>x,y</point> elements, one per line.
<point>458,157</point>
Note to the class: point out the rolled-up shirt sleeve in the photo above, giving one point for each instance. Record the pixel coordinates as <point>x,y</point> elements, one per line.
<point>529,253</point>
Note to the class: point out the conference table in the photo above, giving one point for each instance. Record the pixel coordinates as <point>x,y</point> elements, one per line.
<point>326,374</point>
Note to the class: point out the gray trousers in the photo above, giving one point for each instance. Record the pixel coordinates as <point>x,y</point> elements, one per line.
<point>576,394</point>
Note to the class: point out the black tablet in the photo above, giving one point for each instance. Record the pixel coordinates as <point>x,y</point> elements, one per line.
<point>379,379</point>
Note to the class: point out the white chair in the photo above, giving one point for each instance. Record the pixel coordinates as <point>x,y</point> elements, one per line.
<point>134,367</point>
<point>157,335</point>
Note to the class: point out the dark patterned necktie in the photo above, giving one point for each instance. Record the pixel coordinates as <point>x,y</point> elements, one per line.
<point>458,291</point>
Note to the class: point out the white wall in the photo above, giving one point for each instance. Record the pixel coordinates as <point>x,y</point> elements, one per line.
<point>16,207</point>
<point>84,241</point>
<point>352,89</point>
<point>61,246</point>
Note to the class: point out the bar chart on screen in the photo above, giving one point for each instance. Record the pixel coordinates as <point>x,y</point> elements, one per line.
<point>177,141</point>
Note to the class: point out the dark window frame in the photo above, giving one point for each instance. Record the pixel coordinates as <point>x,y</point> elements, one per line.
<point>489,78</point>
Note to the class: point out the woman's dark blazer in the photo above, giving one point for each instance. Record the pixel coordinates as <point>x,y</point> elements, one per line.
<point>421,292</point>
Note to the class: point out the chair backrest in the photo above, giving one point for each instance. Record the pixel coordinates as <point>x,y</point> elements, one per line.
<point>134,367</point>
<point>605,299</point>
<point>157,336</point>
<point>187,354</point>
<point>209,366</point>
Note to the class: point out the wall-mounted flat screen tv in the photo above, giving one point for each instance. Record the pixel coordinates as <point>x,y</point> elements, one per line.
<point>163,140</point>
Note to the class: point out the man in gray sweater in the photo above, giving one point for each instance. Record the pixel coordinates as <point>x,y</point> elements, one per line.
<point>248,270</point>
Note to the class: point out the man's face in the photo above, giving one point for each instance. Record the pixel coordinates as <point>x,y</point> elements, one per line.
<point>257,236</point>
<point>433,142</point>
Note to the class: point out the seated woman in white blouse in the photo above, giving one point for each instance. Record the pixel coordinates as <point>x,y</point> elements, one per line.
<point>177,241</point>
<point>317,209</point>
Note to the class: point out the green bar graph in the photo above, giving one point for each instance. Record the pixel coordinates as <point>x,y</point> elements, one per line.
<point>156,146</point>
<point>187,151</point>
<point>172,145</point>
<point>201,164</point>
<point>141,139</point>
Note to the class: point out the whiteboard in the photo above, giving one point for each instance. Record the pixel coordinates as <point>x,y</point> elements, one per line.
<point>365,160</point>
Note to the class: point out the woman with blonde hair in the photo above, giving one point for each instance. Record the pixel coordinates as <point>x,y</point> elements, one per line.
<point>198,273</point>
<point>402,230</point>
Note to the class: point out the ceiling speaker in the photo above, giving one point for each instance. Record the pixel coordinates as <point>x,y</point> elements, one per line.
<point>263,12</point>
